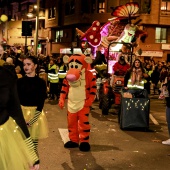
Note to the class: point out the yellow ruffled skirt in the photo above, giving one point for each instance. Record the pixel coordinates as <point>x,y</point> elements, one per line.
<point>14,154</point>
<point>39,129</point>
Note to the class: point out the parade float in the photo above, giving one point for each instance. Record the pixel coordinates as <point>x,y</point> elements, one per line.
<point>120,35</point>
<point>121,30</point>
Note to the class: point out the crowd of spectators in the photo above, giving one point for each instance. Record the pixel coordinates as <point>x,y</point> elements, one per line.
<point>10,57</point>
<point>157,71</point>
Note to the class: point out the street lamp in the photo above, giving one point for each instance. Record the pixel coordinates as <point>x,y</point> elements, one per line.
<point>36,27</point>
<point>3,18</point>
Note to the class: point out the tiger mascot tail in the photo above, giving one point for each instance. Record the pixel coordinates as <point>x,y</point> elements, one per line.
<point>80,88</point>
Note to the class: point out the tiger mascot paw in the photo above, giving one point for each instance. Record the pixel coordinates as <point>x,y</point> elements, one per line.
<point>71,144</point>
<point>84,147</point>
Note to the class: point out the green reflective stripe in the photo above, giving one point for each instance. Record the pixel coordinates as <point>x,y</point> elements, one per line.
<point>140,86</point>
<point>51,74</point>
<point>61,75</point>
<point>53,78</point>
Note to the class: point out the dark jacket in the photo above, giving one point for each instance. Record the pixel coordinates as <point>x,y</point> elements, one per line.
<point>9,101</point>
<point>168,98</point>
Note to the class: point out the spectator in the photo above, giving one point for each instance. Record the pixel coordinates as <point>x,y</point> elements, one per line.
<point>100,57</point>
<point>9,60</point>
<point>53,79</point>
<point>147,82</point>
<point>167,142</point>
<point>19,62</point>
<point>120,68</point>
<point>61,74</point>
<point>163,74</point>
<point>18,70</point>
<point>155,77</point>
<point>134,78</point>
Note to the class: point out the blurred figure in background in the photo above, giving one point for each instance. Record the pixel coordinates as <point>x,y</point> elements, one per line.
<point>147,82</point>
<point>9,60</point>
<point>19,62</point>
<point>120,68</point>
<point>155,78</point>
<point>100,57</point>
<point>61,73</point>
<point>53,79</point>
<point>18,71</point>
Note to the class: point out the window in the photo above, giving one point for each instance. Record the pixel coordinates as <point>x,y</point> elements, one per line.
<point>52,13</point>
<point>145,6</point>
<point>165,6</point>
<point>160,35</point>
<point>101,6</point>
<point>59,35</point>
<point>85,6</point>
<point>70,7</point>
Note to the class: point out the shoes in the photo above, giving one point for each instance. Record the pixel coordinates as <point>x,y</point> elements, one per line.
<point>71,144</point>
<point>166,142</point>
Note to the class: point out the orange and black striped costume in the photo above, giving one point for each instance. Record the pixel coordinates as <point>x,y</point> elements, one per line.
<point>80,87</point>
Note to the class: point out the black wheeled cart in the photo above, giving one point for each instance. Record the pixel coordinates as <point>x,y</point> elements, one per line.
<point>134,112</point>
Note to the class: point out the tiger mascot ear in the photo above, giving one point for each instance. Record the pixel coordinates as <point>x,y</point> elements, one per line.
<point>88,60</point>
<point>65,59</point>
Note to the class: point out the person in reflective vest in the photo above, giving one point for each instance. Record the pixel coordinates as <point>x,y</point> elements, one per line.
<point>61,73</point>
<point>53,79</point>
<point>134,78</point>
<point>147,82</point>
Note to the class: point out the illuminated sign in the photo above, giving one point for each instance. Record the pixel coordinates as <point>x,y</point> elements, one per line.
<point>151,53</point>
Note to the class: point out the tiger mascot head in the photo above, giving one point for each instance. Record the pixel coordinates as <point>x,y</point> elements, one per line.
<point>77,66</point>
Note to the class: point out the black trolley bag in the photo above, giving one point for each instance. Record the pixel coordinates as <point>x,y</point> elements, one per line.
<point>134,112</point>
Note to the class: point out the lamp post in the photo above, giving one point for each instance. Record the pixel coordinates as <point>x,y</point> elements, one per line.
<point>36,27</point>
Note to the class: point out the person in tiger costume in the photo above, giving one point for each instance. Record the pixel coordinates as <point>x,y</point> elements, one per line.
<point>80,87</point>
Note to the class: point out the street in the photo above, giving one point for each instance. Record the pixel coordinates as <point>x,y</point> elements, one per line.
<point>111,147</point>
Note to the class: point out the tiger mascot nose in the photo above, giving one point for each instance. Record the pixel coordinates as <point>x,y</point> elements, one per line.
<point>73,75</point>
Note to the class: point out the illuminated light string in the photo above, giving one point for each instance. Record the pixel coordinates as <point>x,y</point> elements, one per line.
<point>132,104</point>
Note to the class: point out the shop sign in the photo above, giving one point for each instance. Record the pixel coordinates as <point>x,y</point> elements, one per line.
<point>165,46</point>
<point>151,53</point>
<point>65,50</point>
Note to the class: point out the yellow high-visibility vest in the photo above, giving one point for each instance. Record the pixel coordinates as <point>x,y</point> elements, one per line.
<point>53,77</point>
<point>61,73</point>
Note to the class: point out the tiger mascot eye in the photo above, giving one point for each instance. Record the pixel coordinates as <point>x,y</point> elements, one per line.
<point>80,88</point>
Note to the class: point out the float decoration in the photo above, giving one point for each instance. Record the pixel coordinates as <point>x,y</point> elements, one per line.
<point>117,29</point>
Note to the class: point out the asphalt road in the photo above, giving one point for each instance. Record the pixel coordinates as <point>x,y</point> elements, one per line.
<point>111,147</point>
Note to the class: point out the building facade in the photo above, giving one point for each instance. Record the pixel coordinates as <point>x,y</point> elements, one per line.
<point>57,28</point>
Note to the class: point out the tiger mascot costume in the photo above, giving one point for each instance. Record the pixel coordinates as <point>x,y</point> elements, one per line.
<point>80,87</point>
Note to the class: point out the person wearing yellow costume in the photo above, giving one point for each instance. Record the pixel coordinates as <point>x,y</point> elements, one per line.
<point>32,94</point>
<point>17,151</point>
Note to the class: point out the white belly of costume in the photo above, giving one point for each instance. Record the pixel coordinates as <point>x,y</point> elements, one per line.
<point>76,97</point>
